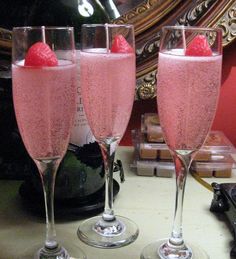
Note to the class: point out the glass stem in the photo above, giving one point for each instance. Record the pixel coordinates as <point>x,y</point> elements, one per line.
<point>182,163</point>
<point>48,170</point>
<point>108,154</point>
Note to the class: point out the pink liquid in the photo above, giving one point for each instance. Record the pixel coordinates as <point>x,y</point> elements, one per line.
<point>44,101</point>
<point>187,96</point>
<point>108,84</point>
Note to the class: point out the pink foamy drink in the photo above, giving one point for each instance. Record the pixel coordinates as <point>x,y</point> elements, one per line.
<point>44,100</point>
<point>108,83</point>
<point>187,93</point>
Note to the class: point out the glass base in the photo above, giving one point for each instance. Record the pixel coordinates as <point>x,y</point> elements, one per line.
<point>189,251</point>
<point>37,252</point>
<point>108,234</point>
<point>45,253</point>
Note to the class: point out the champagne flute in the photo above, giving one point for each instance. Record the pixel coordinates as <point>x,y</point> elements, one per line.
<point>188,86</point>
<point>44,87</point>
<point>107,63</point>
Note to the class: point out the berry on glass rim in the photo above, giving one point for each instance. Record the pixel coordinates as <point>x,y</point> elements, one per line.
<point>199,46</point>
<point>40,54</point>
<point>120,45</point>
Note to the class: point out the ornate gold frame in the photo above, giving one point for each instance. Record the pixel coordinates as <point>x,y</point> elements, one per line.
<point>151,15</point>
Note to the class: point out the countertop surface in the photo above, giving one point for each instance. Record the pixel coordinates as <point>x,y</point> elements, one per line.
<point>148,201</point>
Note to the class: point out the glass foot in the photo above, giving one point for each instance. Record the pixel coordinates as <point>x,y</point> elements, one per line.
<point>45,253</point>
<point>108,234</point>
<point>37,252</point>
<point>158,250</point>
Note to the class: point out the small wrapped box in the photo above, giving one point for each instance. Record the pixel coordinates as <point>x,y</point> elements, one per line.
<point>221,167</point>
<point>151,128</point>
<point>152,156</point>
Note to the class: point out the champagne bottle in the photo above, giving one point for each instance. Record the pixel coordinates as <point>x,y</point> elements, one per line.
<point>81,172</point>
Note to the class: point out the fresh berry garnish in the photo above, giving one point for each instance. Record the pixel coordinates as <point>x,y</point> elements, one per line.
<point>199,46</point>
<point>40,54</point>
<point>120,45</point>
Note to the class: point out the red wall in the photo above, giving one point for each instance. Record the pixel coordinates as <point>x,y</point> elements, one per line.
<point>225,119</point>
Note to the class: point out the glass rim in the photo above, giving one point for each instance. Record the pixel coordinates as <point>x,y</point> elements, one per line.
<point>28,28</point>
<point>111,25</point>
<point>193,28</point>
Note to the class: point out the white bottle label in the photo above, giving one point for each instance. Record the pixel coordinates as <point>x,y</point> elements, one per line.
<point>81,133</point>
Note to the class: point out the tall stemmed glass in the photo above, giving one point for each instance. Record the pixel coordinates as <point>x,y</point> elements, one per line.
<point>44,87</point>
<point>188,85</point>
<point>107,63</point>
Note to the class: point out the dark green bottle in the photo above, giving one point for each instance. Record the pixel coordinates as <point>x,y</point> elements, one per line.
<point>67,13</point>
<point>81,174</point>
<point>81,171</point>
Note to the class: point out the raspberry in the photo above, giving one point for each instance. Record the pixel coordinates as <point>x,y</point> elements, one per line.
<point>199,46</point>
<point>40,54</point>
<point>120,45</point>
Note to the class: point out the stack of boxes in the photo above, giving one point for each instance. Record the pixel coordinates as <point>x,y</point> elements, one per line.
<point>152,157</point>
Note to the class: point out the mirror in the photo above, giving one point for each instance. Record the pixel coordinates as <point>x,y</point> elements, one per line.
<point>148,16</point>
